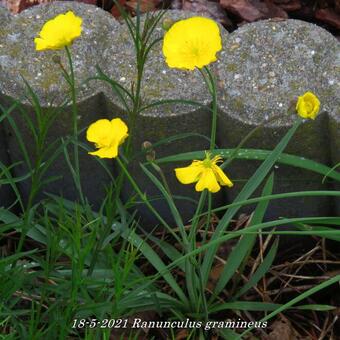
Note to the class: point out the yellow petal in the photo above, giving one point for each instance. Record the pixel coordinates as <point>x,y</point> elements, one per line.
<point>189,174</point>
<point>107,135</point>
<point>221,176</point>
<point>192,43</point>
<point>59,32</point>
<point>101,133</point>
<point>108,152</point>
<point>308,105</point>
<point>120,130</point>
<point>40,44</point>
<point>208,181</point>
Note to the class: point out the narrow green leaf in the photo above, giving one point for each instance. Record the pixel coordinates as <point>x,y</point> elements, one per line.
<point>318,308</point>
<point>264,306</point>
<point>299,298</point>
<point>332,234</point>
<point>246,243</point>
<point>227,333</point>
<point>156,261</point>
<point>174,211</point>
<point>295,161</point>
<point>245,305</point>
<point>170,251</point>
<point>278,196</point>
<point>247,190</point>
<point>15,257</point>
<point>261,270</point>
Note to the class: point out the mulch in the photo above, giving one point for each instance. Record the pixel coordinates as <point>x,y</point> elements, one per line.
<point>230,13</point>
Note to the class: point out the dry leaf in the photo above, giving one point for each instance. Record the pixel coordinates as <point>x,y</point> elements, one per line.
<point>243,9</point>
<point>115,11</point>
<point>145,5</point>
<point>283,330</point>
<point>252,10</point>
<point>16,6</point>
<point>214,275</point>
<point>290,6</point>
<point>329,17</point>
<point>182,334</point>
<point>205,7</point>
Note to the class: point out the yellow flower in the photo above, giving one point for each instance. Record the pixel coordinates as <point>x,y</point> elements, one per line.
<point>192,43</point>
<point>308,105</point>
<point>107,136</point>
<point>59,32</point>
<point>206,173</point>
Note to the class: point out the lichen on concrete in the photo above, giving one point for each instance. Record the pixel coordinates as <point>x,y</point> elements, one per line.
<point>267,64</point>
<point>5,15</point>
<point>18,57</point>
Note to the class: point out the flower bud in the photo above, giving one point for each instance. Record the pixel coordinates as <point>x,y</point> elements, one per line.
<point>150,153</point>
<point>147,145</point>
<point>56,59</point>
<point>167,23</point>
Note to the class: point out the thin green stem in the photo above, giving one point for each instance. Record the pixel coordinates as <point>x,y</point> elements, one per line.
<point>211,83</point>
<point>246,138</point>
<point>162,176</point>
<point>275,197</point>
<point>208,220</point>
<point>75,125</point>
<point>196,218</point>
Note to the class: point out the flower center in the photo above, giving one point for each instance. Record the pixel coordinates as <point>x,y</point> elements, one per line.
<point>207,163</point>
<point>309,106</point>
<point>195,51</point>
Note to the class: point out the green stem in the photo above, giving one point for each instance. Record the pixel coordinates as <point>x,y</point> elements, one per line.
<point>191,266</point>
<point>213,91</point>
<point>137,93</point>
<point>162,176</point>
<point>208,218</point>
<point>195,219</point>
<point>75,125</point>
<point>246,138</point>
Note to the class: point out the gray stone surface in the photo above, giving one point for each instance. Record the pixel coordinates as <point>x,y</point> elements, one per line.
<point>4,15</point>
<point>163,83</point>
<point>18,57</point>
<point>334,116</point>
<point>264,67</point>
<point>6,197</point>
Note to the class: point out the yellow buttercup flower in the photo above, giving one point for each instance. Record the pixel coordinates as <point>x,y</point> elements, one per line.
<point>107,136</point>
<point>192,43</point>
<point>308,105</point>
<point>206,173</point>
<point>59,32</point>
